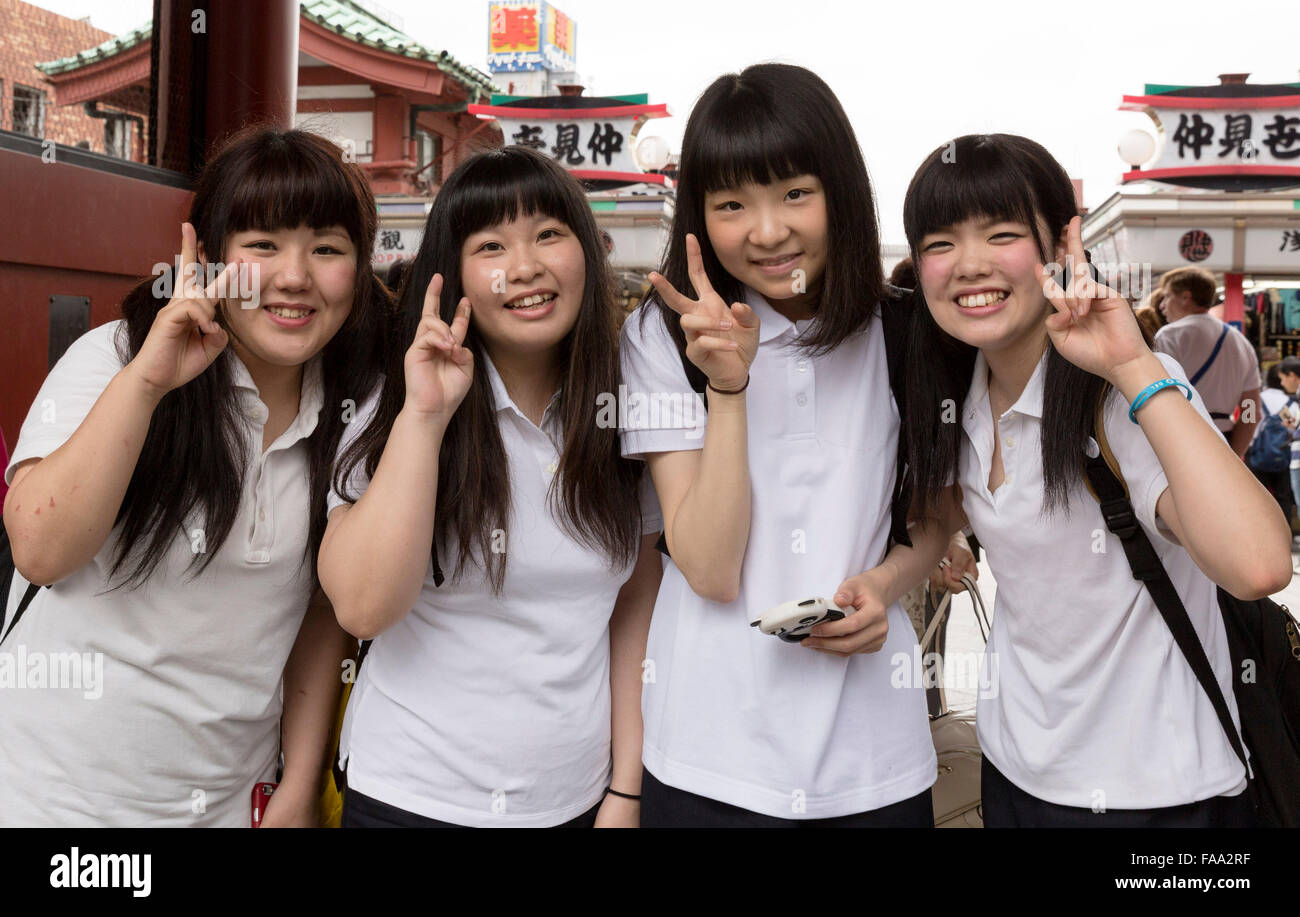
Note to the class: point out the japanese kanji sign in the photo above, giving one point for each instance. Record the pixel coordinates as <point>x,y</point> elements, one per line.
<point>530,35</point>
<point>600,143</point>
<point>1221,136</point>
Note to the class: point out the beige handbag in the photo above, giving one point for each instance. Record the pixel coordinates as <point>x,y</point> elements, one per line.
<point>956,792</point>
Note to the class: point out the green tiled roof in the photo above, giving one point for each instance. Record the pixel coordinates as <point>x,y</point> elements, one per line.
<point>341,16</point>
<point>108,49</point>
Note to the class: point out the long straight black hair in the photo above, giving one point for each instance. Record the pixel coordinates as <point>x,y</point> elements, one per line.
<point>765,124</point>
<point>194,454</point>
<point>594,492</point>
<point>992,176</point>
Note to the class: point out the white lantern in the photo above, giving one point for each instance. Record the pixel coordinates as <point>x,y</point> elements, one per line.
<point>1136,147</point>
<point>652,152</point>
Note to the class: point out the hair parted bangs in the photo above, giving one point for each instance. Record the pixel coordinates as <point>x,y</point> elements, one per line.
<point>282,180</point>
<point>750,140</point>
<point>978,176</point>
<point>499,186</point>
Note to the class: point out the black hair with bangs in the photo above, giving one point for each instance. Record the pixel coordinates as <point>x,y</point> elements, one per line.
<point>595,488</point>
<point>194,455</point>
<point>991,176</point>
<point>768,123</point>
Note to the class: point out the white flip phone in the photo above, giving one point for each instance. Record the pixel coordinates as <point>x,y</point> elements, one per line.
<point>792,621</point>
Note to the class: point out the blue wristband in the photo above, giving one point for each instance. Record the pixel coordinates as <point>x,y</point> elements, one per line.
<point>1150,390</point>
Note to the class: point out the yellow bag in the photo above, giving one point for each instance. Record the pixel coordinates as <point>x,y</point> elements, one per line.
<point>331,797</point>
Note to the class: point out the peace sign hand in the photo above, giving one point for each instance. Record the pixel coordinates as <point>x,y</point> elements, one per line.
<point>185,337</point>
<point>1093,326</point>
<point>438,369</point>
<point>721,340</point>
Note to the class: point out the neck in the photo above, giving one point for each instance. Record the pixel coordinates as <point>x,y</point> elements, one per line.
<point>799,307</point>
<point>275,384</point>
<point>1011,367</point>
<point>530,378</point>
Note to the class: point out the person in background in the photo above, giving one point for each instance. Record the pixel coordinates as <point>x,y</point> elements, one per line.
<point>1149,317</point>
<point>1278,401</point>
<point>1220,362</point>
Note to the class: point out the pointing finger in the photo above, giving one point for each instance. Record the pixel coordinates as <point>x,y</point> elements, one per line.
<point>695,267</point>
<point>432,294</point>
<point>460,324</point>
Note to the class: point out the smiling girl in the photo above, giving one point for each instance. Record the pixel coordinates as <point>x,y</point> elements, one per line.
<point>770,303</point>
<point>486,534</point>
<point>1094,717</point>
<point>169,482</point>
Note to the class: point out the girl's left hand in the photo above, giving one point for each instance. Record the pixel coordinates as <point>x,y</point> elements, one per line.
<point>617,812</point>
<point>1093,326</point>
<point>866,625</point>
<point>292,806</point>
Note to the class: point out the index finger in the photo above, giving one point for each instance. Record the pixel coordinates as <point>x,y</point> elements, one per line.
<point>695,267</point>
<point>460,324</point>
<point>189,253</point>
<point>432,297</point>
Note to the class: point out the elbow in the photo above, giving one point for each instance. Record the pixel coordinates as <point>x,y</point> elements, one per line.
<point>719,589</point>
<point>360,622</point>
<point>34,564</point>
<point>1269,577</point>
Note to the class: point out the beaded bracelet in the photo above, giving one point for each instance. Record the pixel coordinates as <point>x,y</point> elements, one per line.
<point>1151,389</point>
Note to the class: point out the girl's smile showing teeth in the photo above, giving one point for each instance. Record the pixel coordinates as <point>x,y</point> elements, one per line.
<point>533,305</point>
<point>981,300</point>
<point>778,264</point>
<point>288,315</point>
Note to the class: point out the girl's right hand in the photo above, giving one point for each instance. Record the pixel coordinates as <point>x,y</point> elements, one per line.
<point>722,341</point>
<point>185,337</point>
<point>438,369</point>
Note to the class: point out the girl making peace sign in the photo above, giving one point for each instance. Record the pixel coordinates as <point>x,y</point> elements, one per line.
<point>170,484</point>
<point>1094,716</point>
<point>486,534</point>
<point>770,293</point>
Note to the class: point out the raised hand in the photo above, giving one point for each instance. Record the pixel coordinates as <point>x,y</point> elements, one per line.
<point>1093,326</point>
<point>185,336</point>
<point>438,369</point>
<point>721,340</point>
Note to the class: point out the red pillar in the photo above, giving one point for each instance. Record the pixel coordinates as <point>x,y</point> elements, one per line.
<point>1233,304</point>
<point>252,65</point>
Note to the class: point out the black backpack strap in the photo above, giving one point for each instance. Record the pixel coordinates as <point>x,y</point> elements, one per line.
<point>26,600</point>
<point>1146,567</point>
<point>894,322</point>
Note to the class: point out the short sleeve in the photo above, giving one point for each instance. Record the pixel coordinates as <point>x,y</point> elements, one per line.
<point>1141,468</point>
<point>358,480</point>
<point>652,519</point>
<point>657,409</point>
<point>67,395</point>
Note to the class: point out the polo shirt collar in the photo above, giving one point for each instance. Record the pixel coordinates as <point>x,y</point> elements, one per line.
<point>1030,402</point>
<point>310,400</point>
<point>501,396</point>
<point>772,324</point>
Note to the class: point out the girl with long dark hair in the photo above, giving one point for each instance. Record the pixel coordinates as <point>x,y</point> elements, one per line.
<point>486,534</point>
<point>169,486</point>
<point>769,304</point>
<point>1093,717</point>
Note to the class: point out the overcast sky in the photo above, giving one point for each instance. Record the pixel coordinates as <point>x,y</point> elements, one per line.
<point>910,74</point>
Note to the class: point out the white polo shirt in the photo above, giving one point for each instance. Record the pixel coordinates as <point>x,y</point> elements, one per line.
<point>184,716</point>
<point>1191,340</point>
<point>485,710</point>
<point>1089,699</point>
<point>745,718</point>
